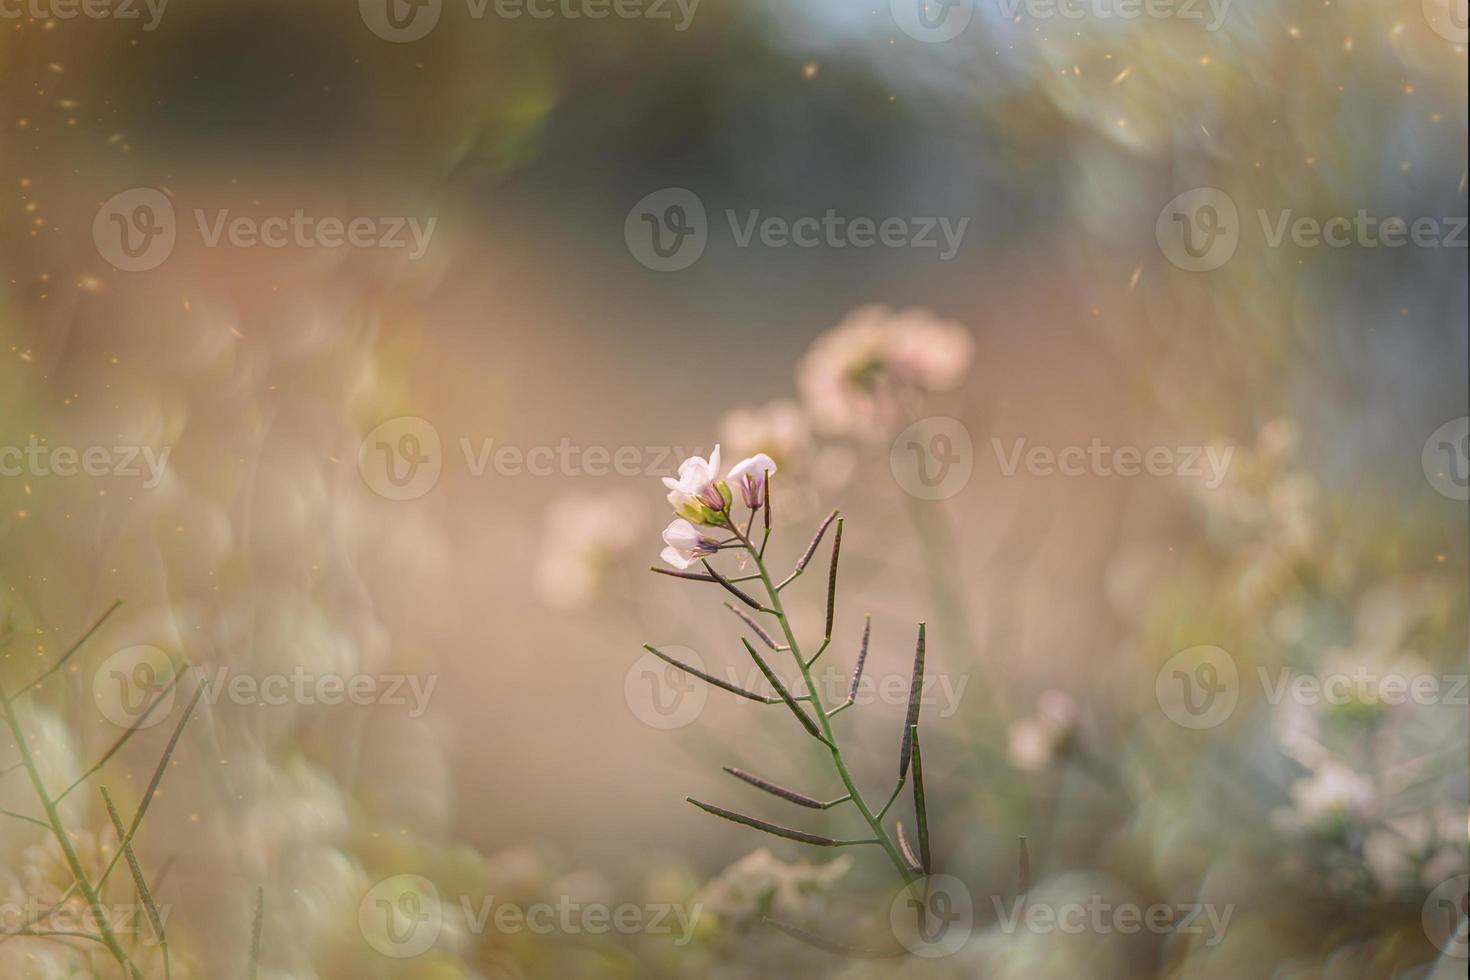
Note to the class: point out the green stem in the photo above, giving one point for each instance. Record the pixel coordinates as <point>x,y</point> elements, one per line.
<point>53,819</point>
<point>881,836</point>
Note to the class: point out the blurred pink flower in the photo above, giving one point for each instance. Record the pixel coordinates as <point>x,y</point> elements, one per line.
<point>778,429</point>
<point>1034,743</point>
<point>858,378</point>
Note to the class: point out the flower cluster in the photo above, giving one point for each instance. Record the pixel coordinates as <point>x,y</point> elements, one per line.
<point>701,498</point>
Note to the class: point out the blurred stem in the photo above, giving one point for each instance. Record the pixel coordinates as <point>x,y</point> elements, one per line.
<point>880,835</point>
<point>53,819</point>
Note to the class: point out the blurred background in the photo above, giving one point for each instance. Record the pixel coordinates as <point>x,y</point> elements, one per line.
<point>429,459</point>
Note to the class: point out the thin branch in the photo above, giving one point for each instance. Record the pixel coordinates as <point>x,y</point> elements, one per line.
<point>709,678</point>
<point>255,932</point>
<point>759,630</point>
<point>61,662</point>
<point>675,573</point>
<point>1023,868</point>
<point>811,549</point>
<point>116,747</point>
<point>775,682</point>
<point>800,836</point>
<point>800,799</point>
<point>734,590</point>
<point>21,816</point>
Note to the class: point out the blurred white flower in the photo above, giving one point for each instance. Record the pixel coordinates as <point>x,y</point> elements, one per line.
<point>585,535</point>
<point>686,544</point>
<point>1331,795</point>
<point>858,378</point>
<point>761,884</point>
<point>749,477</point>
<point>1034,743</point>
<point>1420,850</point>
<point>698,495</point>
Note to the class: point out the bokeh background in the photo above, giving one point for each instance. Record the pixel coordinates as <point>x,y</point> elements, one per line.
<point>1053,602</point>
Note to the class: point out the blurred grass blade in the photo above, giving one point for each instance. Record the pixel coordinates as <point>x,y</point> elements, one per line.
<point>61,661</point>
<point>145,894</point>
<point>1023,868</point>
<point>255,932</point>
<point>116,746</point>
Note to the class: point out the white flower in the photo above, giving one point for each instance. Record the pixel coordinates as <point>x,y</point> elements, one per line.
<point>749,476</point>
<point>1037,741</point>
<point>686,544</point>
<point>698,495</point>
